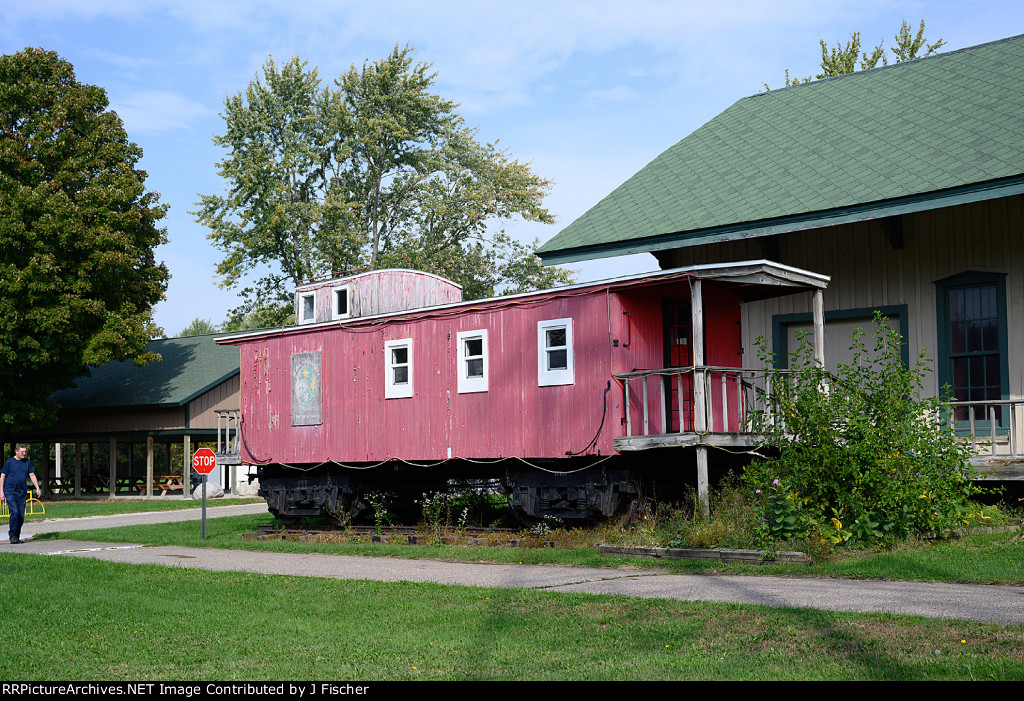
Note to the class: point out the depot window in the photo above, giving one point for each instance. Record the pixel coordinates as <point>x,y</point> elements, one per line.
<point>973,349</point>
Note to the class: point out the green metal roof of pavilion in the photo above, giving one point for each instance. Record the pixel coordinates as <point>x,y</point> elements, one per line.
<point>912,136</point>
<point>190,366</point>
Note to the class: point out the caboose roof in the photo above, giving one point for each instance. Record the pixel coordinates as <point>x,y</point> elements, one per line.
<point>751,280</point>
<point>329,280</point>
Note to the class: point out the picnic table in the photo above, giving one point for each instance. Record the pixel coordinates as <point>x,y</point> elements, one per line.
<point>164,483</point>
<point>60,485</point>
<point>91,484</point>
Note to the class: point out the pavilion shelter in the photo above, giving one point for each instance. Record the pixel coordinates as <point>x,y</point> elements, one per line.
<point>131,429</point>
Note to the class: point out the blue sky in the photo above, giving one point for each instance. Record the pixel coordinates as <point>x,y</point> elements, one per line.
<point>587,92</point>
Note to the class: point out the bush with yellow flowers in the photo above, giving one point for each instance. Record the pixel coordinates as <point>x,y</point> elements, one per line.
<point>860,447</point>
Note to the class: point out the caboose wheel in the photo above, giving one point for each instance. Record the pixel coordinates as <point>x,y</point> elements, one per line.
<point>286,520</point>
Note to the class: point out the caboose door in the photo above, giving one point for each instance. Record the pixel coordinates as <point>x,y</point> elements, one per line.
<point>678,354</point>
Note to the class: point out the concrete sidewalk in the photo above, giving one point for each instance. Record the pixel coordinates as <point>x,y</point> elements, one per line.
<point>975,602</point>
<point>33,527</point>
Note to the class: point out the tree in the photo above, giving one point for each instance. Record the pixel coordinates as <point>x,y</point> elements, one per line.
<point>77,230</point>
<point>841,60</point>
<point>261,316</point>
<point>198,327</point>
<point>376,172</point>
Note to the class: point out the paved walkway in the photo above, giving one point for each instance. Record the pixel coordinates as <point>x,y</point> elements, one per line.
<point>52,525</point>
<point>976,602</point>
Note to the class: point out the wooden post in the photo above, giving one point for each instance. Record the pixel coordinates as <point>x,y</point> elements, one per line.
<point>679,402</point>
<point>992,428</point>
<point>56,460</point>
<point>725,403</point>
<point>149,467</point>
<point>113,468</point>
<point>1013,429</point>
<point>647,428</point>
<point>78,469</point>
<point>819,328</point>
<point>700,423</point>
<point>664,415</point>
<point>186,468</point>
<point>741,413</point>
<point>45,466</point>
<point>702,480</point>
<point>629,423</point>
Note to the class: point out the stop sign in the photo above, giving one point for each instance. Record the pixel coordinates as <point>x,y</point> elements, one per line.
<point>204,461</point>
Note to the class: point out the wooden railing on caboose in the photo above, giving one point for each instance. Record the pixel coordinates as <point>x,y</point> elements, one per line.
<point>717,405</point>
<point>694,401</point>
<point>229,436</point>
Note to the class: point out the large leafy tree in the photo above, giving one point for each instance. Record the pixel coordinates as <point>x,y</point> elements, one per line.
<point>78,277</point>
<point>840,60</point>
<point>376,171</point>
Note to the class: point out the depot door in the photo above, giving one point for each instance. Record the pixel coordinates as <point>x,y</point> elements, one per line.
<point>678,354</point>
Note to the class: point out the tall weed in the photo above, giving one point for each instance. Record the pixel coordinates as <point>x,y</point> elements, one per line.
<point>862,456</point>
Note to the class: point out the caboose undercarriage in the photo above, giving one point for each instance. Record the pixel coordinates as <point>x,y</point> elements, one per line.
<point>574,490</point>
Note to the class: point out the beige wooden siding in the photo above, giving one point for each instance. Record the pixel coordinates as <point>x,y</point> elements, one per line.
<point>223,396</point>
<point>867,272</point>
<point>838,337</point>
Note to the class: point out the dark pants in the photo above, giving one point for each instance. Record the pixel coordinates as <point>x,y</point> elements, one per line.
<point>16,508</point>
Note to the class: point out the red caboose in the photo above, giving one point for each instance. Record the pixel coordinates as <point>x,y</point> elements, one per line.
<point>390,382</point>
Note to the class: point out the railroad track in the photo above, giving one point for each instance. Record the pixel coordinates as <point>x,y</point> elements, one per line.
<point>392,534</point>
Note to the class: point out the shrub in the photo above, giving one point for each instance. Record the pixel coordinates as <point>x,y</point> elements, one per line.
<point>863,456</point>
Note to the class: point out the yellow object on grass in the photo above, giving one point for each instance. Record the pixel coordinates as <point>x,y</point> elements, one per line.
<point>31,504</point>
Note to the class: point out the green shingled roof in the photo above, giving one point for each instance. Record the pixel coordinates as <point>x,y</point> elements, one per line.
<point>190,366</point>
<point>909,130</point>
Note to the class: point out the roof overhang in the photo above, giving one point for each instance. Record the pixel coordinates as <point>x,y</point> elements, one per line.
<point>976,192</point>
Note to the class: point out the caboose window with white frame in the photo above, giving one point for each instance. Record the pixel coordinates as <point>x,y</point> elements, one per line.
<point>340,302</point>
<point>307,308</point>
<point>555,352</point>
<point>398,370</point>
<point>472,359</point>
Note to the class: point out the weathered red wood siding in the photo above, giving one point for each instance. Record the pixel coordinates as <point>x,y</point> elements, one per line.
<point>723,339</point>
<point>379,292</point>
<point>515,417</point>
<point>722,347</point>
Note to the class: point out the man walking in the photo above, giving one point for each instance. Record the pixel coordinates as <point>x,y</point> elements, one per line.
<point>15,473</point>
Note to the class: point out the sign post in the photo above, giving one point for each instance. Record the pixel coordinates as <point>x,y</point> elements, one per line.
<point>203,462</point>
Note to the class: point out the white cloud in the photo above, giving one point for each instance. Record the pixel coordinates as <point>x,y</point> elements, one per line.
<point>618,93</point>
<point>122,61</point>
<point>154,111</point>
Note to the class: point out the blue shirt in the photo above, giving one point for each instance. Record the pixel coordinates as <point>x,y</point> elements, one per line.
<point>17,472</point>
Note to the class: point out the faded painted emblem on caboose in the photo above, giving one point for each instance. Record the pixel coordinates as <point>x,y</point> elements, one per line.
<point>307,381</point>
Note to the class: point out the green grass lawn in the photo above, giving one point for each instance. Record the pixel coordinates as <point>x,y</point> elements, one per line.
<point>91,620</point>
<point>79,508</point>
<point>987,559</point>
